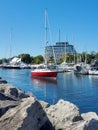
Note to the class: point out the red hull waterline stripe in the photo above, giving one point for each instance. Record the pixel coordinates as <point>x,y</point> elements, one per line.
<point>44,74</point>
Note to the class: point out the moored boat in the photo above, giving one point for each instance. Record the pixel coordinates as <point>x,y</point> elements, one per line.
<point>44,71</point>
<point>94,68</point>
<point>81,68</point>
<point>15,63</point>
<point>9,66</point>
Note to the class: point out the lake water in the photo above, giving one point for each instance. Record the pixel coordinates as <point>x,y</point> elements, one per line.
<point>82,90</point>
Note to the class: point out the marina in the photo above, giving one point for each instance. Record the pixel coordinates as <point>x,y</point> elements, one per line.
<point>49,65</point>
<point>81,90</point>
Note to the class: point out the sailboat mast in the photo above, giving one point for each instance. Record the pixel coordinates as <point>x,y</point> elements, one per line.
<point>65,48</point>
<point>10,42</point>
<point>46,29</point>
<point>59,36</point>
<point>46,39</point>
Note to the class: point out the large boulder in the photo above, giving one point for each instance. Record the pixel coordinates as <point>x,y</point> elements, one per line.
<point>9,97</point>
<point>12,92</point>
<point>63,114</point>
<point>2,81</point>
<point>66,116</point>
<point>28,115</point>
<point>20,111</point>
<point>6,103</point>
<point>91,121</point>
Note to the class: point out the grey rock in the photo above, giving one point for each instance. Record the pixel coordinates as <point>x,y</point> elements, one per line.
<point>20,111</point>
<point>28,115</point>
<point>6,103</point>
<point>3,81</point>
<point>91,121</point>
<point>12,92</point>
<point>9,97</point>
<point>63,114</point>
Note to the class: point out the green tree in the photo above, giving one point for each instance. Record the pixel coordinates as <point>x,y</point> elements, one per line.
<point>25,58</point>
<point>69,58</point>
<point>93,54</point>
<point>38,59</point>
<point>51,59</point>
<point>4,60</point>
<point>61,59</point>
<point>83,56</point>
<point>96,56</point>
<point>32,59</point>
<point>0,61</point>
<point>91,57</point>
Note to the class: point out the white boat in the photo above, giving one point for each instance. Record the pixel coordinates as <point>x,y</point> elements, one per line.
<point>11,66</point>
<point>67,67</point>
<point>24,66</point>
<point>81,68</point>
<point>94,68</point>
<point>93,71</point>
<point>15,63</point>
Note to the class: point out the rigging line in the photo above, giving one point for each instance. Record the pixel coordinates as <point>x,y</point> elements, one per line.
<point>50,34</point>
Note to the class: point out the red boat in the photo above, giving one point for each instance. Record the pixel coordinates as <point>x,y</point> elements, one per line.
<point>45,71</point>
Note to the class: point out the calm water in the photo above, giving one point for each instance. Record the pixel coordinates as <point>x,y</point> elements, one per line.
<point>81,90</point>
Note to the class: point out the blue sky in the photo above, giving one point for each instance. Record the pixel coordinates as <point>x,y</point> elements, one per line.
<point>24,20</point>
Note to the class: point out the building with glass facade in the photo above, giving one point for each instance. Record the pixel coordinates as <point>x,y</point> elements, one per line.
<point>58,50</point>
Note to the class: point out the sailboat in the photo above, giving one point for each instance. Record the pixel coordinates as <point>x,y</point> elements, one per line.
<point>12,63</point>
<point>45,70</point>
<point>81,67</point>
<point>67,67</point>
<point>93,68</point>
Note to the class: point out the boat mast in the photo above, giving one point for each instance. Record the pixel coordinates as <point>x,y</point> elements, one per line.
<point>65,49</point>
<point>61,44</point>
<point>59,36</point>
<point>85,57</point>
<point>10,46</point>
<point>46,39</point>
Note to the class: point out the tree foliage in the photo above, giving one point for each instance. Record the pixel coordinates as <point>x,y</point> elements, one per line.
<point>69,58</point>
<point>51,59</point>
<point>26,58</point>
<point>96,57</point>
<point>38,59</point>
<point>0,61</point>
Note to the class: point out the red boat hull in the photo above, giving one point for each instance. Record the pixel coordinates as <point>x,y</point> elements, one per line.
<point>44,74</point>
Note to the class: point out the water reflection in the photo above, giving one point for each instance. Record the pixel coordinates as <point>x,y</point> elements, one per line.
<point>45,89</point>
<point>93,79</point>
<point>43,80</point>
<point>79,76</point>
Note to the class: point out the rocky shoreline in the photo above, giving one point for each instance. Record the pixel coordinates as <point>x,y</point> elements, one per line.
<point>20,111</point>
